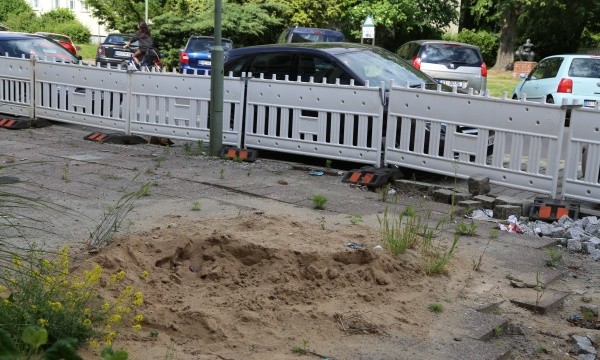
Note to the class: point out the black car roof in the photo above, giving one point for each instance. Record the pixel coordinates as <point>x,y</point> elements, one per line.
<point>9,35</point>
<point>315,47</point>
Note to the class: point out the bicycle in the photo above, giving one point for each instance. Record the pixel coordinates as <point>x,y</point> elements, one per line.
<point>150,61</point>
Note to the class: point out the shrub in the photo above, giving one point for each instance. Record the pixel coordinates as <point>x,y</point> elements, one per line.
<point>319,202</point>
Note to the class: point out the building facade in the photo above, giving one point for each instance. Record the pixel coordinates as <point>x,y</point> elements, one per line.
<point>82,13</point>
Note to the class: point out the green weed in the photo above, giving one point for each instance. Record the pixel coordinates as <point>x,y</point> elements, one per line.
<point>435,308</point>
<point>464,229</point>
<point>438,259</point>
<point>554,257</point>
<point>302,349</point>
<point>355,219</point>
<point>319,202</point>
<point>196,205</point>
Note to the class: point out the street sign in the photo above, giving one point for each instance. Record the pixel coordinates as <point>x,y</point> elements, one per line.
<point>368,28</point>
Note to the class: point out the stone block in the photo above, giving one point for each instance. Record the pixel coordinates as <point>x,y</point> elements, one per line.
<point>574,245</point>
<point>478,185</point>
<point>448,196</point>
<point>588,247</point>
<point>504,211</point>
<point>487,202</point>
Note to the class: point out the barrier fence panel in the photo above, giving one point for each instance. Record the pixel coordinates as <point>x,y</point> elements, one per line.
<point>341,122</point>
<point>16,85</point>
<point>583,153</point>
<point>178,106</point>
<point>514,143</point>
<point>82,94</point>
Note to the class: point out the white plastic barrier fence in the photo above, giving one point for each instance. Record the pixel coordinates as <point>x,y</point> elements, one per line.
<point>453,134</point>
<point>178,106</point>
<point>82,94</point>
<point>332,121</point>
<point>583,153</point>
<point>16,87</point>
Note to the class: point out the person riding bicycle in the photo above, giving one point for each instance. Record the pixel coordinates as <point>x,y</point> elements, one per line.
<point>146,43</point>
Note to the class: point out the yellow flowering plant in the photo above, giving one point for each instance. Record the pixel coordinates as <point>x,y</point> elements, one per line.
<point>39,292</point>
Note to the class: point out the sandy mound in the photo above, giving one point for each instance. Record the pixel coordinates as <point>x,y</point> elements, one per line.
<point>256,286</point>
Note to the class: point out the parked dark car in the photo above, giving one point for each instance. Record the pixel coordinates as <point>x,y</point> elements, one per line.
<point>24,45</point>
<point>304,34</point>
<point>329,61</point>
<point>196,54</point>
<point>113,51</point>
<point>450,63</point>
<point>64,40</point>
<point>332,62</point>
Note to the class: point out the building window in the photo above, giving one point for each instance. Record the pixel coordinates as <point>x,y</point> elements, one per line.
<point>72,4</point>
<point>35,4</point>
<point>56,4</point>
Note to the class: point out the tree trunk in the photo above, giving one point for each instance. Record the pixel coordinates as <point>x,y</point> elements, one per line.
<point>508,32</point>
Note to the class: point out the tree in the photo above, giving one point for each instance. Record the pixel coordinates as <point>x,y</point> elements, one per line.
<point>555,26</point>
<point>9,8</point>
<point>397,21</point>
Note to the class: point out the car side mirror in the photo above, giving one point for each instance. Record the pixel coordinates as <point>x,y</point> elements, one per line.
<point>80,57</point>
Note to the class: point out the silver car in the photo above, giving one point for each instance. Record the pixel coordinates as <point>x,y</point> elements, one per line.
<point>449,63</point>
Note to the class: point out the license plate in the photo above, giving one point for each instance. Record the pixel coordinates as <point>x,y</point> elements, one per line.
<point>122,53</point>
<point>458,84</point>
<point>589,103</point>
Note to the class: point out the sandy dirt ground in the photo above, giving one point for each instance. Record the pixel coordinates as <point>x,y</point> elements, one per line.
<point>269,286</point>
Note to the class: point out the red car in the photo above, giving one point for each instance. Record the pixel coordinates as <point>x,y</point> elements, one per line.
<point>63,40</point>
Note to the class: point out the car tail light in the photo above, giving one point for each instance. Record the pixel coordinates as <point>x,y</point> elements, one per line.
<point>565,86</point>
<point>417,63</point>
<point>483,70</point>
<point>184,58</point>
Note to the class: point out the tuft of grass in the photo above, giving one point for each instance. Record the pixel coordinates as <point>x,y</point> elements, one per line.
<point>302,349</point>
<point>435,308</point>
<point>319,201</point>
<point>355,219</point>
<point>438,259</point>
<point>477,265</point>
<point>406,231</point>
<point>196,205</point>
<point>112,219</point>
<point>554,257</point>
<point>464,229</point>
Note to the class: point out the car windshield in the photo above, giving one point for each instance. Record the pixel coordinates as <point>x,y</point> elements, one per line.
<point>450,53</point>
<point>118,39</point>
<point>315,37</point>
<point>376,65</point>
<point>202,45</point>
<point>40,47</point>
<point>585,67</point>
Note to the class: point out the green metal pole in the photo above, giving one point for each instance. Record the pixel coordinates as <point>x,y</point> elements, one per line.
<point>216,86</point>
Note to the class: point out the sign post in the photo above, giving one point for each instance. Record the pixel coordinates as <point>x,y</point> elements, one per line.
<point>368,29</point>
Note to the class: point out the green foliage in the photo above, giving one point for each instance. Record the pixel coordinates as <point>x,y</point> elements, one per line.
<point>34,338</point>
<point>59,15</point>
<point>406,231</point>
<point>554,257</point>
<point>319,201</point>
<point>589,40</point>
<point>78,32</point>
<point>464,229</point>
<point>60,21</point>
<point>355,219</point>
<point>435,308</point>
<point>397,21</point>
<point>485,40</point>
<point>438,259</point>
<point>10,8</point>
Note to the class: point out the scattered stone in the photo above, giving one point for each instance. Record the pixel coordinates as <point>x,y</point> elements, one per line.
<point>583,345</point>
<point>487,202</point>
<point>478,185</point>
<point>504,211</point>
<point>596,255</point>
<point>574,245</point>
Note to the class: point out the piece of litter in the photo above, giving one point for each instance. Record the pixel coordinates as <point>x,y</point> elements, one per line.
<point>355,246</point>
<point>378,247</point>
<point>316,173</point>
